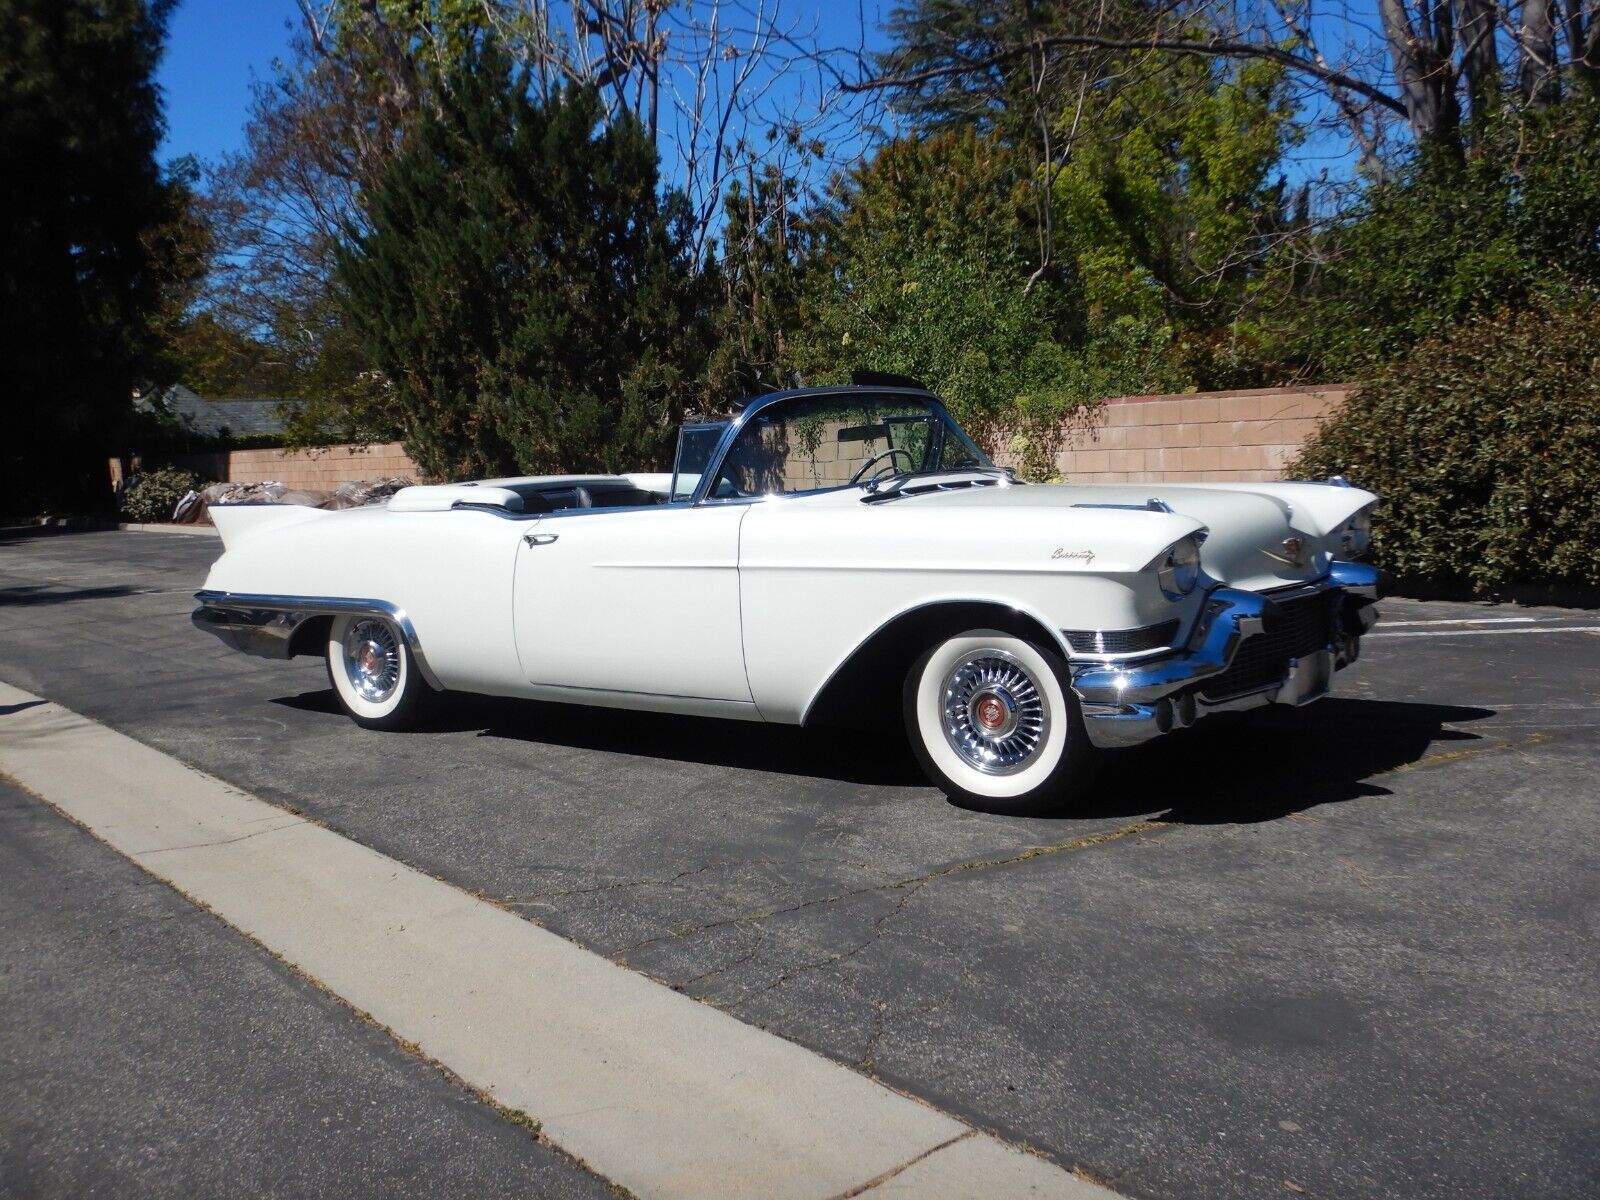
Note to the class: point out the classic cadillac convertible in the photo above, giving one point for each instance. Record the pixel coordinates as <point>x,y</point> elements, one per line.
<point>826,555</point>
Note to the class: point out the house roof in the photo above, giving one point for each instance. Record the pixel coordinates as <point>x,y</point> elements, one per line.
<point>210,417</point>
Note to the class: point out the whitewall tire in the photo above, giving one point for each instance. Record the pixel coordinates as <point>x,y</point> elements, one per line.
<point>374,674</point>
<point>993,721</point>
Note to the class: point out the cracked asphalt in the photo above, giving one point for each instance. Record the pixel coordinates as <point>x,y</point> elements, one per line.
<point>1346,951</point>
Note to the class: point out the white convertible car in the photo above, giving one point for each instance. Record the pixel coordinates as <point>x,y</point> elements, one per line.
<point>827,555</point>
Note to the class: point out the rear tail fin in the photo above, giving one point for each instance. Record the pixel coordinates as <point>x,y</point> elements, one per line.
<point>236,522</point>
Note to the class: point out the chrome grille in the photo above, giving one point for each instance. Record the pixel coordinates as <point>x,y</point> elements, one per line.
<point>1305,626</point>
<point>1122,641</point>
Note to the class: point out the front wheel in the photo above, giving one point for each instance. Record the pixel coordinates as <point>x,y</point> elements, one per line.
<point>993,721</point>
<point>375,675</point>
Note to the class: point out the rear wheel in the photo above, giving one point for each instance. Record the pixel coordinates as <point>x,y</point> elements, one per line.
<point>374,673</point>
<point>993,721</point>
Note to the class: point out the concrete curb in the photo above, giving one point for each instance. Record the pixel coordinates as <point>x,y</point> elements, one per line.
<point>664,1095</point>
<point>201,530</point>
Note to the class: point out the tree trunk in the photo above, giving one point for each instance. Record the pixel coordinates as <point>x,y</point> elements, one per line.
<point>1426,77</point>
<point>1536,47</point>
<point>1475,29</point>
<point>1583,40</point>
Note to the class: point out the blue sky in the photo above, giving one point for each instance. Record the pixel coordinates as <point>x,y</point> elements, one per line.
<point>215,48</point>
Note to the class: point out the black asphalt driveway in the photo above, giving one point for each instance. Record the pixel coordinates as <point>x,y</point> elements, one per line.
<point>146,1049</point>
<point>1347,951</point>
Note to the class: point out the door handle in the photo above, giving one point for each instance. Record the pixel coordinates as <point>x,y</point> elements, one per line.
<point>539,539</point>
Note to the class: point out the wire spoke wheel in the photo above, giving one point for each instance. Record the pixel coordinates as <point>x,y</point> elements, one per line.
<point>372,659</point>
<point>992,718</point>
<point>994,714</point>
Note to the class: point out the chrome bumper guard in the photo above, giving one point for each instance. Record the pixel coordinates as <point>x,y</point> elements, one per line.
<point>262,632</point>
<point>1124,704</point>
<point>265,625</point>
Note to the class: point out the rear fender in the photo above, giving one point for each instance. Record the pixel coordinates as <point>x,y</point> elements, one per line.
<point>238,522</point>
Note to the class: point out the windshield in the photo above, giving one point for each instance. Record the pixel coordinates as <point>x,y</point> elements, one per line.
<point>814,442</point>
<point>695,445</point>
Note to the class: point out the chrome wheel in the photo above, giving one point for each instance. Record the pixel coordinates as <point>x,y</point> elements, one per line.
<point>994,714</point>
<point>372,659</point>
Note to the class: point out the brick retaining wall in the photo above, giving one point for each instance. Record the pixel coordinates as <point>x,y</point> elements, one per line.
<point>1201,437</point>
<point>316,470</point>
<point>1245,436</point>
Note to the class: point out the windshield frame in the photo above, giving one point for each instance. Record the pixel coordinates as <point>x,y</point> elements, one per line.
<point>755,407</point>
<point>687,428</point>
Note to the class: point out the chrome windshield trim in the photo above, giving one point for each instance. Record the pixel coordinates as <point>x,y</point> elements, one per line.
<point>274,618</point>
<point>751,409</point>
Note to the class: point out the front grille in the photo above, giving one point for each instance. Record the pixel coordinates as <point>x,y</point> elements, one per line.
<point>1122,641</point>
<point>1261,661</point>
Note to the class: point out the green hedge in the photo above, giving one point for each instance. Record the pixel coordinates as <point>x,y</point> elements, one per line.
<point>1485,445</point>
<point>154,496</point>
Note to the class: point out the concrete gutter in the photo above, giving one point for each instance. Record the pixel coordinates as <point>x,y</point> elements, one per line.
<point>662,1094</point>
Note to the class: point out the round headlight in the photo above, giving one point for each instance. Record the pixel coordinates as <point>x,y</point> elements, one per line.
<point>1355,539</point>
<point>1180,570</point>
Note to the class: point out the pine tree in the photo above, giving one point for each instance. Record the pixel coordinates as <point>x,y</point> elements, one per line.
<point>524,286</point>
<point>80,191</point>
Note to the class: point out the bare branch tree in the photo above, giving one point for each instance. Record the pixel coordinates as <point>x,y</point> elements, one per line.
<point>1429,61</point>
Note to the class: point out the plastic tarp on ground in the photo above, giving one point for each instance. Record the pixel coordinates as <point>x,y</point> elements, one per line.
<point>191,510</point>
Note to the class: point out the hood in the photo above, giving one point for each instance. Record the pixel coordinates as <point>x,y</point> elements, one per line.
<point>1246,525</point>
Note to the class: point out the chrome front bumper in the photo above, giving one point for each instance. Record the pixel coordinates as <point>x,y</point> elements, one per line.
<point>1232,660</point>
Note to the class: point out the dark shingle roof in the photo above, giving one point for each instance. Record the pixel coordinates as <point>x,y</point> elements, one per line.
<point>211,417</point>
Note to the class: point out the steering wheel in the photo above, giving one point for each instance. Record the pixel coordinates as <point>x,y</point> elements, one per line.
<point>861,471</point>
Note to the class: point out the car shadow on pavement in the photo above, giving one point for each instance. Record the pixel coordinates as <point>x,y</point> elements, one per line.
<point>1234,768</point>
<point>1273,762</point>
<point>31,595</point>
<point>877,757</point>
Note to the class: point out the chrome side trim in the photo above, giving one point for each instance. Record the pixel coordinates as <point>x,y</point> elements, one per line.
<point>1154,504</point>
<point>1091,645</point>
<point>265,625</point>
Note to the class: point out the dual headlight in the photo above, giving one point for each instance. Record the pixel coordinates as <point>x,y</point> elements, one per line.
<point>1178,570</point>
<point>1355,537</point>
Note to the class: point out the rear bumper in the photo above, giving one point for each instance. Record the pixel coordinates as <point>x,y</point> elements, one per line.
<point>265,625</point>
<point>265,633</point>
<point>1247,649</point>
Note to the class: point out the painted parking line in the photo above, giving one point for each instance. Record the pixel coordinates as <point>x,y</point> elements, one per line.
<point>1470,621</point>
<point>1415,633</point>
<point>660,1093</point>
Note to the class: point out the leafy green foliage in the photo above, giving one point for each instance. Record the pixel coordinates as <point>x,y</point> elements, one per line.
<point>523,286</point>
<point>760,272</point>
<point>154,496</point>
<point>921,272</point>
<point>1452,238</point>
<point>1169,202</point>
<point>80,196</point>
<point>1485,444</point>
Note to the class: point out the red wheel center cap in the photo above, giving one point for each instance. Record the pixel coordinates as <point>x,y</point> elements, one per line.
<point>991,713</point>
<point>369,659</point>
